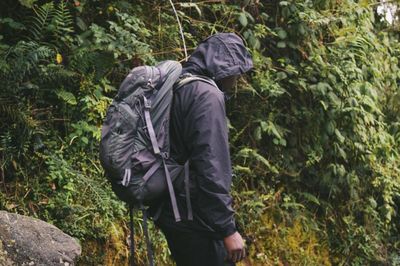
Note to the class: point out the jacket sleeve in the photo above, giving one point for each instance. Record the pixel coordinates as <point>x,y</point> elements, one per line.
<point>206,138</point>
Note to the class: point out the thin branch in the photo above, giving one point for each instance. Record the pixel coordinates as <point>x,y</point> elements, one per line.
<point>180,29</point>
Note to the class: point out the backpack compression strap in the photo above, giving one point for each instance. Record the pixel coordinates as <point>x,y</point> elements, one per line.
<point>171,193</point>
<point>156,150</point>
<point>149,125</point>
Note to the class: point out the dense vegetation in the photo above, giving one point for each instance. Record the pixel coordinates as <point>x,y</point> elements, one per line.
<point>314,129</point>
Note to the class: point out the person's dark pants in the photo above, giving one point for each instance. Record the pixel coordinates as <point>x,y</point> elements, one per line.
<point>193,249</point>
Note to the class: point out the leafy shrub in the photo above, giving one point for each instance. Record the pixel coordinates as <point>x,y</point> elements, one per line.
<point>314,129</point>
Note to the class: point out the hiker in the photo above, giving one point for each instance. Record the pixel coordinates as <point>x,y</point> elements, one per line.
<point>199,133</point>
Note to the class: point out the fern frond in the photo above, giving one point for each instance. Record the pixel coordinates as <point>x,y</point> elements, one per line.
<point>16,128</point>
<point>51,23</point>
<point>39,24</point>
<point>57,74</point>
<point>67,97</point>
<point>82,60</point>
<point>9,112</point>
<point>63,20</point>
<point>86,61</point>
<point>25,57</point>
<point>13,112</point>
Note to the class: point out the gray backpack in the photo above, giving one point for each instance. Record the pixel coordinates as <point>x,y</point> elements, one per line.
<point>134,146</point>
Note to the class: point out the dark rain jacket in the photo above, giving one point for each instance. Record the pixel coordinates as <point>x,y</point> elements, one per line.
<point>199,133</point>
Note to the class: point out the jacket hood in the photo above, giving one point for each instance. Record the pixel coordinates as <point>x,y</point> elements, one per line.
<point>219,56</point>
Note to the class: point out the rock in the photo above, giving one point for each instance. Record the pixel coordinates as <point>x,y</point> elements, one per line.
<point>29,241</point>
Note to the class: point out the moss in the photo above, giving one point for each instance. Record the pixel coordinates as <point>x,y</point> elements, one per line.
<point>112,251</point>
<point>117,249</point>
<point>287,243</point>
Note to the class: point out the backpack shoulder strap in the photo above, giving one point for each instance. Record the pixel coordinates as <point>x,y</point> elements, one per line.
<point>188,78</point>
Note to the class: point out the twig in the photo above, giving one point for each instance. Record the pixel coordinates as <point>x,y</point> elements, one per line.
<point>159,53</point>
<point>205,2</point>
<point>180,29</point>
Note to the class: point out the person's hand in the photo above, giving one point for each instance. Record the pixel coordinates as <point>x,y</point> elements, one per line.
<point>234,245</point>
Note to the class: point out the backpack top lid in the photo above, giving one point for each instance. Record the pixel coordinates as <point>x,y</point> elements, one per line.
<point>151,86</point>
<point>150,77</point>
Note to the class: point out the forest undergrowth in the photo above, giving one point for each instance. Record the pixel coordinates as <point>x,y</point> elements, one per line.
<point>314,128</point>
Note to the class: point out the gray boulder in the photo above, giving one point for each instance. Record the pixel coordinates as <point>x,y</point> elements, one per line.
<point>29,241</point>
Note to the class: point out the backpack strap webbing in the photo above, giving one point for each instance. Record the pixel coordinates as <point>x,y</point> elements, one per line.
<point>127,177</point>
<point>187,191</point>
<point>171,193</point>
<point>156,149</point>
<point>149,126</point>
<point>151,171</point>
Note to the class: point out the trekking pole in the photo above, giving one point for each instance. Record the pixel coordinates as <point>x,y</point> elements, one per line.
<point>146,232</point>
<point>132,247</point>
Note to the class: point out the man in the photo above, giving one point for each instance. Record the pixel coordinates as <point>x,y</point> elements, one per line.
<point>199,134</point>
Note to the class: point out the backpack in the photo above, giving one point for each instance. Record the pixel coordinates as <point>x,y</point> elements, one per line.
<point>134,145</point>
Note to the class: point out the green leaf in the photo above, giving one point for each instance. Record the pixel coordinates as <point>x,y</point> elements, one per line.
<point>293,205</point>
<point>310,198</point>
<point>242,169</point>
<point>243,19</point>
<point>339,136</point>
<point>281,45</point>
<point>282,142</point>
<point>190,5</point>
<point>265,16</point>
<point>275,131</point>
<point>257,133</point>
<point>27,3</point>
<point>341,152</point>
<point>85,140</point>
<point>334,99</point>
<point>282,34</point>
<point>330,127</point>
<point>81,24</point>
<point>323,87</point>
<point>12,23</point>
<point>373,202</point>
<point>250,153</point>
<point>324,105</point>
<point>281,75</point>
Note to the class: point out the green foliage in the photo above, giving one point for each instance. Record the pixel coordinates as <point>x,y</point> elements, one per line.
<point>315,127</point>
<point>122,38</point>
<point>51,23</point>
<point>328,101</point>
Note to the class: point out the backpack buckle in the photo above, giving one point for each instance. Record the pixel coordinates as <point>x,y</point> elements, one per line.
<point>147,103</point>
